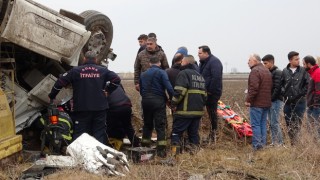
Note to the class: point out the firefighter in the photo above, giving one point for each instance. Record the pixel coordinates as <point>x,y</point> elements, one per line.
<point>119,119</point>
<point>89,99</point>
<point>187,104</point>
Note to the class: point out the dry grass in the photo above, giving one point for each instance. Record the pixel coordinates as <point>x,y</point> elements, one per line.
<point>229,158</point>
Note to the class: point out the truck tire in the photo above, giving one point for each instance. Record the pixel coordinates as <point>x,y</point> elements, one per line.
<point>3,8</point>
<point>101,34</point>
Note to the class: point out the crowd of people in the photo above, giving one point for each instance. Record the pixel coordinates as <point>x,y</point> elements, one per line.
<point>103,110</point>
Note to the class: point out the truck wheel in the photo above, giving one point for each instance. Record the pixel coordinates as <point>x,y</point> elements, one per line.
<point>101,34</point>
<point>3,8</point>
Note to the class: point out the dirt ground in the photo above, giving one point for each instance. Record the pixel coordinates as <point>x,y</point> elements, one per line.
<point>229,158</point>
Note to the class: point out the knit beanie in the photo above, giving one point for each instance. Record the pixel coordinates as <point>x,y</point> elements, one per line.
<point>182,50</point>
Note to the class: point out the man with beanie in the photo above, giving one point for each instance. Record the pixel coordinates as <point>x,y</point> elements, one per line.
<point>313,96</point>
<point>276,100</point>
<point>154,83</point>
<point>211,69</point>
<point>294,85</point>
<point>259,100</point>
<point>182,51</point>
<point>187,104</point>
<point>90,102</point>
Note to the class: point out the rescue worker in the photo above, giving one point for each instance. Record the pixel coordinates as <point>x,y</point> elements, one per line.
<point>187,104</point>
<point>119,119</point>
<point>89,99</point>
<point>154,82</point>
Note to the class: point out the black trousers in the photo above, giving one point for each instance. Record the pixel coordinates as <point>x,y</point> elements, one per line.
<point>212,103</point>
<point>154,111</point>
<point>119,124</point>
<point>181,124</point>
<point>91,122</point>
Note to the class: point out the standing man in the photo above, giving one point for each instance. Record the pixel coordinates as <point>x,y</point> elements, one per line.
<point>276,103</point>
<point>313,95</point>
<point>259,100</point>
<point>142,39</point>
<point>294,84</point>
<point>142,61</point>
<point>154,83</point>
<point>182,51</point>
<point>187,104</point>
<point>153,35</point>
<point>90,102</point>
<point>211,69</point>
<point>175,69</point>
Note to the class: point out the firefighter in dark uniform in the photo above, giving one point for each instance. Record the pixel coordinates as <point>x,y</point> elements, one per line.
<point>119,119</point>
<point>153,84</point>
<point>89,99</point>
<point>187,104</point>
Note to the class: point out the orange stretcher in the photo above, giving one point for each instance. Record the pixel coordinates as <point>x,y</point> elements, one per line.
<point>240,125</point>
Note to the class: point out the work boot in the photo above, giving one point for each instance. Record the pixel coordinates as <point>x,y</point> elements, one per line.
<point>161,151</point>
<point>172,159</point>
<point>146,142</point>
<point>136,142</point>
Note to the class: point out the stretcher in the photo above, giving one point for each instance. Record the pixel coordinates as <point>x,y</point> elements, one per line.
<point>236,122</point>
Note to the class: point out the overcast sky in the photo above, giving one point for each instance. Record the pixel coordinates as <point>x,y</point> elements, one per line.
<point>233,29</point>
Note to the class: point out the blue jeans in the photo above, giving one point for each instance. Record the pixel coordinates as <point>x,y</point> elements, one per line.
<point>258,117</point>
<point>313,124</point>
<point>273,114</point>
<point>293,114</point>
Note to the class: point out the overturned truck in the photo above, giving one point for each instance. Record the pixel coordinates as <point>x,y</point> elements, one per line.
<point>37,45</point>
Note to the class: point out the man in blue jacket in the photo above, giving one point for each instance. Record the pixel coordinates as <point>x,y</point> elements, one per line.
<point>153,84</point>
<point>90,102</point>
<point>211,69</point>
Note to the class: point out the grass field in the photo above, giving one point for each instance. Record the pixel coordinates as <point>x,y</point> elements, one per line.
<point>229,158</point>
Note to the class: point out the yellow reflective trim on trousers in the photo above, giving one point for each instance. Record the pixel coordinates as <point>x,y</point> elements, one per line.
<point>60,119</point>
<point>66,121</point>
<point>162,143</point>
<point>148,141</point>
<point>67,137</point>
<point>190,112</point>
<point>42,120</point>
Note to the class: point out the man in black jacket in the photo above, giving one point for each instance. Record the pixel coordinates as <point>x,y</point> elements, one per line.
<point>119,118</point>
<point>211,69</point>
<point>294,84</point>
<point>187,103</point>
<point>276,103</point>
<point>175,69</point>
<point>89,99</point>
